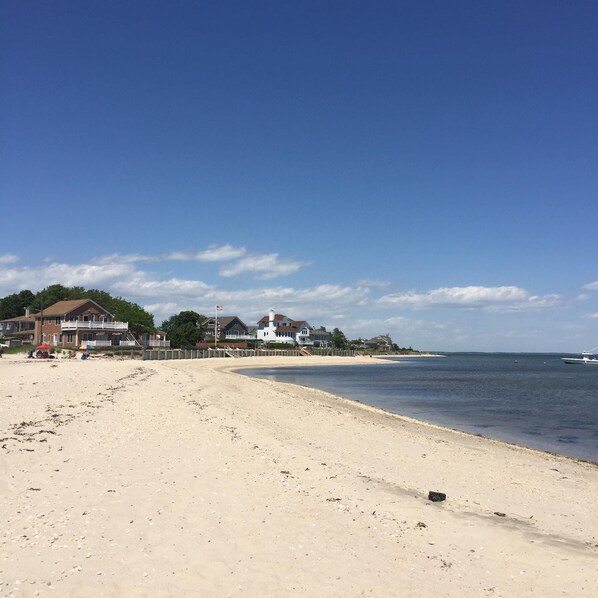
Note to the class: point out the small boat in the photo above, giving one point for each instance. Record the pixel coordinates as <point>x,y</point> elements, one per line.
<point>587,358</point>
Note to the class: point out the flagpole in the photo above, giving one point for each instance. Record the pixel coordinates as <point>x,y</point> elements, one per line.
<point>216,328</point>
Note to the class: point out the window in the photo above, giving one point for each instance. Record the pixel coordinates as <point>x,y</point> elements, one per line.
<point>57,321</point>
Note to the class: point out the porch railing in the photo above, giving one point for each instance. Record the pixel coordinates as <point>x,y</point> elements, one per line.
<point>78,325</point>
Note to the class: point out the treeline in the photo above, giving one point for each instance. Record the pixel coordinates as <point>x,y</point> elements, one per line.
<point>140,321</point>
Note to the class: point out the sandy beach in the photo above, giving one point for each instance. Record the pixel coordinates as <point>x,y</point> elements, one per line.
<point>186,478</point>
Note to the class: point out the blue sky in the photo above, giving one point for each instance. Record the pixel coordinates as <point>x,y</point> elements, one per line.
<point>427,169</point>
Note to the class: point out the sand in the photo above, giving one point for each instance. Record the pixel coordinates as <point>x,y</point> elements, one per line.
<point>185,478</point>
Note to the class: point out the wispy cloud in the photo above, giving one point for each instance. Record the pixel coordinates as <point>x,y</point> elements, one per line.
<point>214,253</point>
<point>265,266</point>
<point>592,286</point>
<point>8,258</point>
<point>373,284</point>
<point>471,296</point>
<point>221,253</point>
<point>489,298</point>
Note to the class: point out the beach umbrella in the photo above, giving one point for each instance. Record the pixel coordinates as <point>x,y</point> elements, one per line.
<point>44,346</point>
<point>86,347</point>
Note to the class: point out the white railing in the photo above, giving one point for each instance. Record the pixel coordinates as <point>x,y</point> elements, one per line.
<point>239,337</point>
<point>127,344</point>
<point>78,325</point>
<point>158,343</point>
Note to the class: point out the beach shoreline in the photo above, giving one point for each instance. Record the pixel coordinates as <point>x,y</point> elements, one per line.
<point>188,478</point>
<point>423,422</point>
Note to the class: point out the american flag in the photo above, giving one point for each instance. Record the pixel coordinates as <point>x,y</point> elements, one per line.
<point>219,308</point>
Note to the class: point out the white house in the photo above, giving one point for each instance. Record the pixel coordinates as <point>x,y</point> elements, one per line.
<point>278,328</point>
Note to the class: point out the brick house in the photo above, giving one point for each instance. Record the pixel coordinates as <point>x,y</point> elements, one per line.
<point>67,324</point>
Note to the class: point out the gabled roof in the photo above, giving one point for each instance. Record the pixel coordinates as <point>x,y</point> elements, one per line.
<point>20,319</point>
<point>277,318</point>
<point>63,308</point>
<point>224,321</point>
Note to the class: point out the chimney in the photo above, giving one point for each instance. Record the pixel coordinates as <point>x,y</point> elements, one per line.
<point>271,318</point>
<point>27,312</point>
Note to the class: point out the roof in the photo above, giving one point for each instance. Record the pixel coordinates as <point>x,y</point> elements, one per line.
<point>224,321</point>
<point>277,317</point>
<point>20,319</point>
<point>65,307</point>
<point>381,339</point>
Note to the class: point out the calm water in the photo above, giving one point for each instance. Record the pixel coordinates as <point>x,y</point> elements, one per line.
<point>534,400</point>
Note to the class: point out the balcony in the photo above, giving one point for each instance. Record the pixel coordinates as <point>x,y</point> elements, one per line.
<point>107,344</point>
<point>239,337</point>
<point>78,325</point>
<point>156,344</point>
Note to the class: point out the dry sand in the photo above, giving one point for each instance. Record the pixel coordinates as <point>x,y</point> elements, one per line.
<point>184,478</point>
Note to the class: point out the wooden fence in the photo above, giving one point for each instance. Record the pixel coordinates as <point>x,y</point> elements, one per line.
<point>167,354</point>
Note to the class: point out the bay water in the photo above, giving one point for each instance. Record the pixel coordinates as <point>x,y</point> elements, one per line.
<point>530,399</point>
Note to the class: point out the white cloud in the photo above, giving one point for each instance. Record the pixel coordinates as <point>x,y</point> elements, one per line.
<point>592,286</point>
<point>8,258</point>
<point>142,285</point>
<point>124,258</point>
<point>266,266</point>
<point>366,282</point>
<point>222,253</point>
<point>214,253</point>
<point>594,315</point>
<point>471,296</point>
<point>86,275</point>
<point>507,298</point>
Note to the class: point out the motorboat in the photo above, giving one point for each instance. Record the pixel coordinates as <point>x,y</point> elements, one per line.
<point>587,358</point>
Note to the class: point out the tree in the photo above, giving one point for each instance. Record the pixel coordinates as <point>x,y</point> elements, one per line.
<point>184,328</point>
<point>140,321</point>
<point>101,298</point>
<point>14,305</point>
<point>55,293</point>
<point>338,339</point>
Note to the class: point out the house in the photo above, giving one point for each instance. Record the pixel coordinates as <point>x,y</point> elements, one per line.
<point>67,324</point>
<point>20,329</point>
<point>278,328</point>
<point>154,340</point>
<point>230,328</point>
<point>382,342</point>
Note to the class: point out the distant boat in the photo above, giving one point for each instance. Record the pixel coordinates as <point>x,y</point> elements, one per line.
<point>587,358</point>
